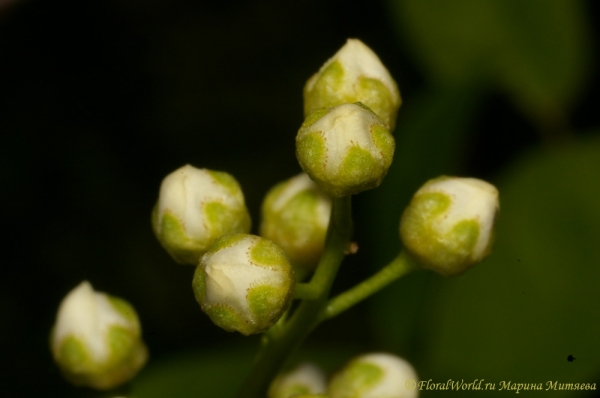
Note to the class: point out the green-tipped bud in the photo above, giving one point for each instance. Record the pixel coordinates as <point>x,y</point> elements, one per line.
<point>354,74</point>
<point>96,340</point>
<point>375,376</point>
<point>195,207</point>
<point>448,225</point>
<point>295,215</point>
<point>345,150</point>
<point>244,283</point>
<point>305,380</point>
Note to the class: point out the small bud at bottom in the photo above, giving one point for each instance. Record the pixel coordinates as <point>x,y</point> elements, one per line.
<point>374,376</point>
<point>304,380</point>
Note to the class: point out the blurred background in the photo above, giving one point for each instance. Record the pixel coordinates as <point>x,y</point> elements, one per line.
<point>100,100</point>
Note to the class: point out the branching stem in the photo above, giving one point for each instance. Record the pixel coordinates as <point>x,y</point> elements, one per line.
<point>283,340</point>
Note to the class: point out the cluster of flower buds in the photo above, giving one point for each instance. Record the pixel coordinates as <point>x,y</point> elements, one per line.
<point>345,144</point>
<point>366,376</point>
<point>96,340</point>
<point>448,225</point>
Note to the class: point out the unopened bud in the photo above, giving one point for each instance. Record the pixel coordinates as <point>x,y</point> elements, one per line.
<point>448,225</point>
<point>354,74</point>
<point>96,340</point>
<point>304,380</point>
<point>195,207</point>
<point>244,283</point>
<point>345,150</point>
<point>295,216</point>
<point>374,376</point>
<point>309,396</point>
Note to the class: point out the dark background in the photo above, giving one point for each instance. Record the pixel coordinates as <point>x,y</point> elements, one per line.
<point>100,100</point>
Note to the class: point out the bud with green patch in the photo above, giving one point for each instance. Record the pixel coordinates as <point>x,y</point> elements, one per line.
<point>295,215</point>
<point>354,74</point>
<point>304,380</point>
<point>244,283</point>
<point>309,396</point>
<point>375,376</point>
<point>195,207</point>
<point>345,150</point>
<point>96,340</point>
<point>448,225</point>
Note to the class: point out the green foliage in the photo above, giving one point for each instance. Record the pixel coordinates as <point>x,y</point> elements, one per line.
<point>537,51</point>
<point>521,313</point>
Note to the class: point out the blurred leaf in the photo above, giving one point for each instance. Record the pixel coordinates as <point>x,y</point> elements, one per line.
<point>206,373</point>
<point>520,314</point>
<point>220,372</point>
<point>536,50</point>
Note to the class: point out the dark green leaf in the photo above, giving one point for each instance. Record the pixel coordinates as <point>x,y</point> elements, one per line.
<point>520,315</point>
<point>536,50</point>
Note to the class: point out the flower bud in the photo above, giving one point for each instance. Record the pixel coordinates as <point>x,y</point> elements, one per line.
<point>244,283</point>
<point>374,376</point>
<point>295,216</point>
<point>304,380</point>
<point>96,340</point>
<point>195,207</point>
<point>354,74</point>
<point>309,396</point>
<point>345,150</point>
<point>448,225</point>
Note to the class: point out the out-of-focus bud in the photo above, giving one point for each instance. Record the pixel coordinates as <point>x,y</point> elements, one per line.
<point>448,225</point>
<point>305,380</point>
<point>354,74</point>
<point>96,340</point>
<point>375,376</point>
<point>295,216</point>
<point>195,207</point>
<point>244,283</point>
<point>309,396</point>
<point>345,150</point>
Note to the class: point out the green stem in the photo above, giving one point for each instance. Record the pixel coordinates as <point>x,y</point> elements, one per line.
<point>399,267</point>
<point>283,341</point>
<point>305,291</point>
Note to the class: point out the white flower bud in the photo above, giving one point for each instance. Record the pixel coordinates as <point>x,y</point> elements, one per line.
<point>375,376</point>
<point>448,225</point>
<point>345,150</point>
<point>354,74</point>
<point>295,216</point>
<point>305,380</point>
<point>96,340</point>
<point>195,207</point>
<point>244,283</point>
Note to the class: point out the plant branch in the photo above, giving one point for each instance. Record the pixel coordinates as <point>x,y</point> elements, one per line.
<point>284,340</point>
<point>397,268</point>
